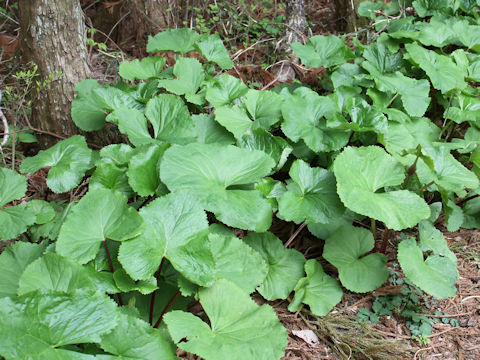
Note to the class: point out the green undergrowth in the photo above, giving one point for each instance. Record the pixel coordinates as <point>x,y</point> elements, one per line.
<point>391,140</point>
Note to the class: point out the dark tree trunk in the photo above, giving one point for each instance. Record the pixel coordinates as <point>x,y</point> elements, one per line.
<point>152,15</point>
<point>54,38</point>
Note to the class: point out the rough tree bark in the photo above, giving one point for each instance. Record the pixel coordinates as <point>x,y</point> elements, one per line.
<point>54,38</point>
<point>150,14</point>
<point>294,31</point>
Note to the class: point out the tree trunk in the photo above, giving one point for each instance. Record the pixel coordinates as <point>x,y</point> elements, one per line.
<point>54,39</point>
<point>151,14</point>
<point>294,31</point>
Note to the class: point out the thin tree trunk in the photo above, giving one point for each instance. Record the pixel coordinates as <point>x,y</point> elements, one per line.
<point>294,31</point>
<point>54,39</point>
<point>150,14</point>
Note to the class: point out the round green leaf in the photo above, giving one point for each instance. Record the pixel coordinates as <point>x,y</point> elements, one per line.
<point>285,266</point>
<point>312,196</point>
<point>318,290</point>
<point>436,275</point>
<point>367,170</point>
<point>180,40</point>
<point>147,68</point>
<point>14,221</point>
<point>37,326</point>
<point>244,331</point>
<point>224,89</point>
<point>133,338</point>
<point>176,226</point>
<point>323,51</point>
<point>69,160</point>
<point>56,273</point>
<point>208,172</point>
<point>101,214</point>
<point>13,261</point>
<point>213,49</point>
<point>13,185</point>
<point>345,248</point>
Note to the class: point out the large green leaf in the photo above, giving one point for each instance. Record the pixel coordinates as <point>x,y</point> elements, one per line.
<point>436,275</point>
<point>384,60</point>
<point>311,196</point>
<point>101,214</point>
<point>318,290</point>
<point>174,223</point>
<point>305,114</point>
<point>179,40</point>
<point>88,112</point>
<point>147,68</point>
<point>345,249</point>
<point>364,117</point>
<point>274,146</point>
<point>13,261</point>
<point>143,169</point>
<point>237,262</point>
<point>189,76</point>
<point>13,185</point>
<point>210,172</point>
<point>323,51</point>
<point>285,266</point>
<point>68,161</point>
<point>13,219</point>
<point>209,131</point>
<point>447,172</point>
<point>213,49</point>
<point>240,329</point>
<point>260,109</point>
<point>133,338</point>
<point>432,239</point>
<point>413,93</point>
<point>367,170</point>
<point>37,326</point>
<point>125,283</point>
<point>56,273</point>
<point>170,119</point>
<point>224,89</point>
<point>444,74</point>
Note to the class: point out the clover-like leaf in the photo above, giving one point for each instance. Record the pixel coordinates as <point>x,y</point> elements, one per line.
<point>212,173</point>
<point>180,40</point>
<point>323,51</point>
<point>13,261</point>
<point>224,89</point>
<point>133,338</point>
<point>285,266</point>
<point>237,262</point>
<point>361,172</point>
<point>311,196</point>
<point>213,49</point>
<point>147,68</point>
<point>345,249</point>
<point>176,226</point>
<point>260,109</point>
<point>305,114</point>
<point>444,74</point>
<point>40,325</point>
<point>436,275</point>
<point>318,290</point>
<point>189,76</point>
<point>101,214</point>
<point>413,93</point>
<point>244,331</point>
<point>143,169</point>
<point>68,161</point>
<point>274,146</point>
<point>56,273</point>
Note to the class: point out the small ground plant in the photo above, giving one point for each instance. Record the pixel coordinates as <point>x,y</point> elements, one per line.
<point>391,140</point>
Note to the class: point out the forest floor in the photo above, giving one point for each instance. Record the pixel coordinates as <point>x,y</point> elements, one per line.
<point>341,334</point>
